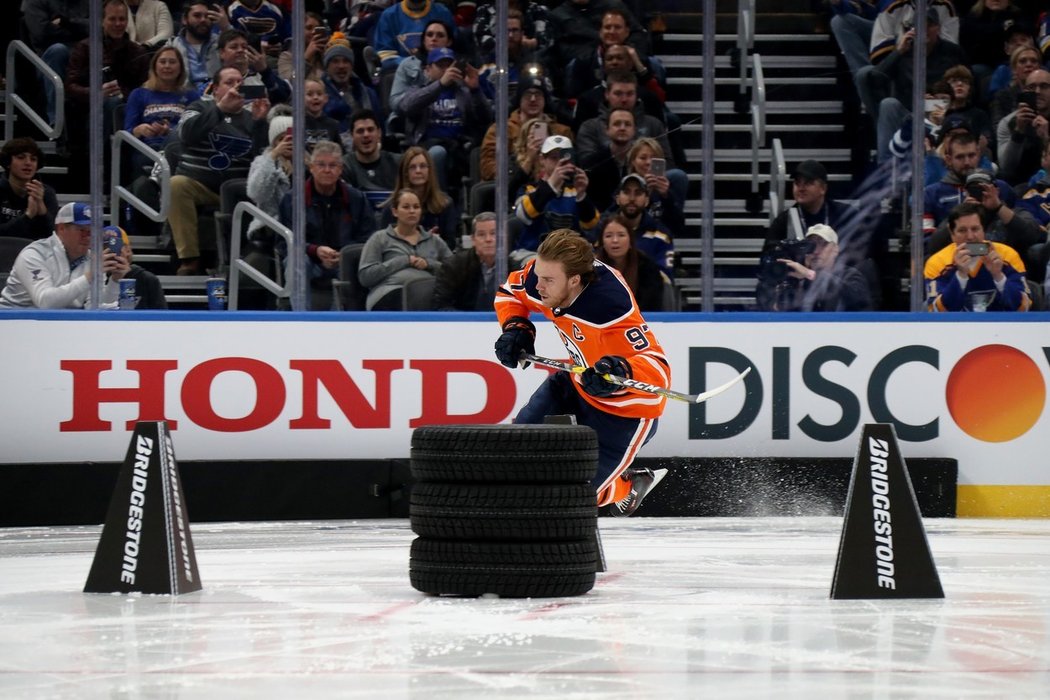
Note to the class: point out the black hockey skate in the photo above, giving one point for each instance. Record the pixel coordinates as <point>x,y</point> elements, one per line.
<point>643,480</point>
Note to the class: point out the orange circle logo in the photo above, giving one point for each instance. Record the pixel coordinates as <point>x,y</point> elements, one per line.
<point>995,393</point>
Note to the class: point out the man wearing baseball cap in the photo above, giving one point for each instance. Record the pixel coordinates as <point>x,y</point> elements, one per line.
<point>448,115</point>
<point>820,282</point>
<point>557,199</point>
<point>809,188</point>
<point>55,273</point>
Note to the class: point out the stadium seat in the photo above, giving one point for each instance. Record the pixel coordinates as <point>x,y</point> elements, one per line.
<point>417,295</point>
<point>348,294</point>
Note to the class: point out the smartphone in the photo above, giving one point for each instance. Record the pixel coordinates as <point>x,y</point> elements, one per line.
<point>658,167</point>
<point>570,154</point>
<point>288,133</point>
<point>111,240</point>
<point>935,104</point>
<point>255,41</point>
<point>252,92</point>
<point>1026,98</point>
<point>540,129</point>
<point>978,249</point>
<point>107,74</point>
<point>461,65</point>
<point>322,32</point>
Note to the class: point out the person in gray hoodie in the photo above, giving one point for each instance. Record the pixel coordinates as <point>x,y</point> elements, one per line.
<point>399,253</point>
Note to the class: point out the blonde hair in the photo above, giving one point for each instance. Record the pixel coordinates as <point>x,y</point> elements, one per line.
<point>644,142</point>
<point>527,161</point>
<point>153,82</point>
<point>572,250</point>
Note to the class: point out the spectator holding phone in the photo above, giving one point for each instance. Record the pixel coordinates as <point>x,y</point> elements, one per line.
<point>448,115</point>
<point>1021,135</point>
<point>973,274</point>
<point>437,34</point>
<point>556,199</point>
<point>27,205</point>
<point>646,158</point>
<point>994,198</point>
<point>532,99</point>
<point>55,272</point>
<point>263,19</point>
<point>316,39</point>
<point>238,50</point>
<point>219,139</point>
<point>198,41</point>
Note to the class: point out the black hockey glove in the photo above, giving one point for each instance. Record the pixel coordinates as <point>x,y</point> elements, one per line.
<point>592,380</point>
<point>519,335</point>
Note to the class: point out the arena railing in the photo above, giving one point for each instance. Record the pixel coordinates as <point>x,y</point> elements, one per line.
<point>119,193</point>
<point>777,179</point>
<point>52,132</point>
<point>758,121</point>
<point>237,265</point>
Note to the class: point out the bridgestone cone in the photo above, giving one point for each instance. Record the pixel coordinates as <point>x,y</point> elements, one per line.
<point>495,454</point>
<point>507,569</point>
<point>520,512</point>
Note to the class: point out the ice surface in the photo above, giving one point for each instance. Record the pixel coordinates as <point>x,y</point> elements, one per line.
<point>726,608</point>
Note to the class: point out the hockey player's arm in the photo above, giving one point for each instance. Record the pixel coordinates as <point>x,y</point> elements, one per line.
<point>510,297</point>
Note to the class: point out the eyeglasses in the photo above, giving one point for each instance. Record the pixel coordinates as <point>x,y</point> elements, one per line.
<point>326,165</point>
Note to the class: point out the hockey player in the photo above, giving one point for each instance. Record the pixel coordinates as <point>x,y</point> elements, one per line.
<point>602,329</point>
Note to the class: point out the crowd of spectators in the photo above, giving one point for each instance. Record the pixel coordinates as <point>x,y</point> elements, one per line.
<point>401,94</point>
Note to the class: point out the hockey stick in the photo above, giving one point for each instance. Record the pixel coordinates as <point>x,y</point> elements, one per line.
<point>634,384</point>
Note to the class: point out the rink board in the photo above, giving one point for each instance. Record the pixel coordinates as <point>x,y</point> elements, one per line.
<point>294,386</point>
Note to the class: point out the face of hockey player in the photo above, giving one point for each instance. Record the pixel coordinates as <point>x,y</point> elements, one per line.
<point>556,289</point>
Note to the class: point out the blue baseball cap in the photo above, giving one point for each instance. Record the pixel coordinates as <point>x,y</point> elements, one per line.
<point>76,213</point>
<point>440,54</point>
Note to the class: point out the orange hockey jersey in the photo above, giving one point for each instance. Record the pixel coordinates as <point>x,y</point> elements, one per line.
<point>603,320</point>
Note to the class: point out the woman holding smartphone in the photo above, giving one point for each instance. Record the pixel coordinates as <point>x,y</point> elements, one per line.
<point>646,158</point>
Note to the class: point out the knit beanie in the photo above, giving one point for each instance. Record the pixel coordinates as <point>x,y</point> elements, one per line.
<point>279,125</point>
<point>338,45</point>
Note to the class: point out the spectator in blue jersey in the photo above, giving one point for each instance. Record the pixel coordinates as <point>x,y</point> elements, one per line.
<point>263,19</point>
<point>447,116</point>
<point>650,236</point>
<point>410,74</point>
<point>198,41</point>
<point>27,205</point>
<point>994,199</point>
<point>400,29</point>
<point>616,247</point>
<point>346,92</point>
<point>812,206</point>
<point>235,51</point>
<point>219,138</point>
<point>556,199</point>
<point>972,273</point>
<point>1036,201</point>
<point>154,110</point>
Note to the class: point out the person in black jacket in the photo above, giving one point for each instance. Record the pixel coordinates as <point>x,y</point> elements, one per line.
<point>812,206</point>
<point>27,205</point>
<point>336,215</point>
<point>615,247</point>
<point>467,280</point>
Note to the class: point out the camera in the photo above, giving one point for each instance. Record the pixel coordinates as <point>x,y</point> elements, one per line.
<point>771,270</point>
<point>1026,98</point>
<point>975,182</point>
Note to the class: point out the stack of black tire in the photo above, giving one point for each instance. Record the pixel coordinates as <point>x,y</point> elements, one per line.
<point>507,510</point>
